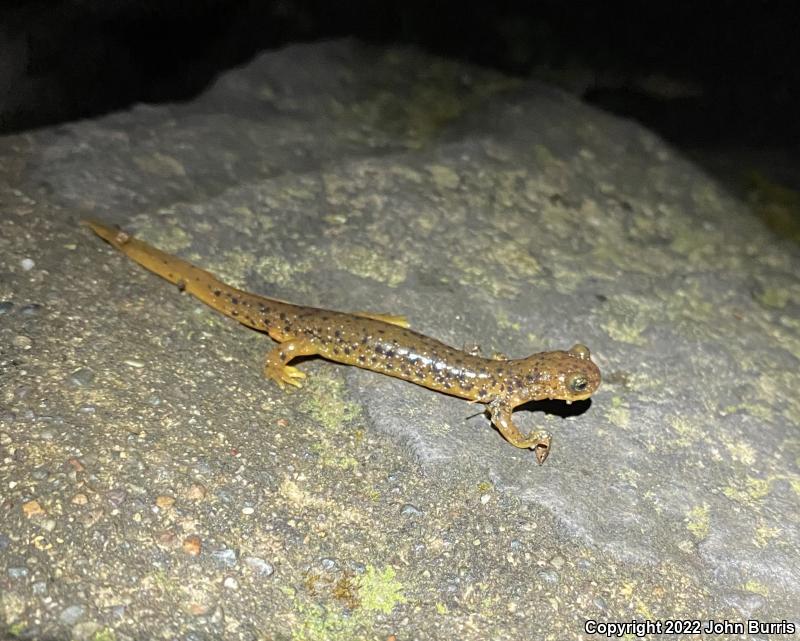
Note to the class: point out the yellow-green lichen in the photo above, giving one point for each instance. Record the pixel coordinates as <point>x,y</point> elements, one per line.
<point>279,270</point>
<point>774,297</point>
<point>379,590</point>
<point>318,623</point>
<point>749,492</point>
<point>106,634</point>
<point>368,262</point>
<point>171,239</point>
<point>757,587</point>
<point>764,535</point>
<point>698,521</point>
<point>160,165</point>
<point>618,414</point>
<point>687,431</point>
<point>627,317</point>
<point>325,401</point>
<point>443,177</point>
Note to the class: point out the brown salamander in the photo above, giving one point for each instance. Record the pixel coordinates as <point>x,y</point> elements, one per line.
<point>381,343</point>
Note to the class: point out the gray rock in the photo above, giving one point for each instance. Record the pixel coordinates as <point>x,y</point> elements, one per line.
<point>488,211</point>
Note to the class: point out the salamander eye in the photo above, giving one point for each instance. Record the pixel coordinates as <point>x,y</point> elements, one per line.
<point>577,383</point>
<point>581,351</point>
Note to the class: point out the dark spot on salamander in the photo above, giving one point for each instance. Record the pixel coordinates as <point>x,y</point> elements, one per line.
<point>234,312</point>
<point>217,292</point>
<point>361,358</point>
<point>234,300</point>
<point>286,328</point>
<point>337,334</point>
<point>181,285</point>
<point>389,366</point>
<point>347,350</point>
<point>282,315</point>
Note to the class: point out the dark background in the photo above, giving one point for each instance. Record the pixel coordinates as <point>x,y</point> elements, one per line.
<point>723,77</point>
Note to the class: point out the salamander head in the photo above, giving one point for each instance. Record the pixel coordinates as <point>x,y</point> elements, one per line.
<point>567,376</point>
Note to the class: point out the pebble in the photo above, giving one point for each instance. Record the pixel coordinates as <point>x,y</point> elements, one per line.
<point>27,264</point>
<point>551,577</point>
<point>31,309</point>
<point>557,562</point>
<point>328,564</point>
<point>231,583</point>
<point>5,307</point>
<point>116,497</point>
<point>39,588</point>
<point>17,573</point>
<point>165,502</point>
<point>81,377</point>
<point>71,615</point>
<point>410,510</point>
<point>32,508</point>
<point>22,342</point>
<point>247,511</point>
<point>259,565</point>
<point>225,557</point>
<point>192,545</point>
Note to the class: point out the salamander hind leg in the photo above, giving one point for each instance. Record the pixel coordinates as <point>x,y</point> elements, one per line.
<point>277,368</point>
<point>538,441</point>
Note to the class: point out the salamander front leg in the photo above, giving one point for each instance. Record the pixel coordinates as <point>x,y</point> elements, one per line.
<point>276,367</point>
<point>538,441</point>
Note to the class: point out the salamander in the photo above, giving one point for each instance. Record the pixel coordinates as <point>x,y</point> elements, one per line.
<point>381,343</point>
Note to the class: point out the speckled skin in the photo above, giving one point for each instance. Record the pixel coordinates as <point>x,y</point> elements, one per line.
<point>381,343</point>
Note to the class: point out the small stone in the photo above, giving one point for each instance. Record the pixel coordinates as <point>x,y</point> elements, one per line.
<point>32,509</point>
<point>195,492</point>
<point>259,565</point>
<point>116,497</point>
<point>39,588</point>
<point>31,309</point>
<point>22,342</point>
<point>81,377</point>
<point>225,557</point>
<point>410,510</point>
<point>192,545</point>
<point>40,473</point>
<point>17,573</point>
<point>485,498</point>
<point>27,264</point>
<point>76,464</point>
<point>5,307</point>
<point>551,577</point>
<point>247,511</point>
<point>165,502</point>
<point>231,583</point>
<point>71,615</point>
<point>328,564</point>
<point>557,562</point>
